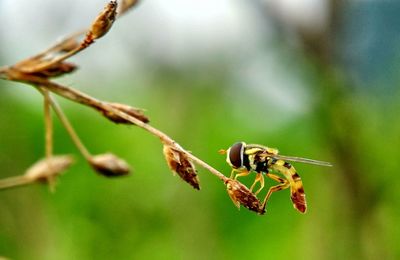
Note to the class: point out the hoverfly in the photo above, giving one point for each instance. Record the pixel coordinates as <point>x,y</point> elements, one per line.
<point>245,158</point>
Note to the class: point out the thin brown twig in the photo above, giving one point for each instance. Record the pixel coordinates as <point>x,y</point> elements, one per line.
<point>82,98</point>
<point>48,124</point>
<point>85,99</point>
<point>67,125</point>
<point>15,181</point>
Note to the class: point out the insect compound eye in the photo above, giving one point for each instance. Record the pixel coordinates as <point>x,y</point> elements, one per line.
<point>236,154</point>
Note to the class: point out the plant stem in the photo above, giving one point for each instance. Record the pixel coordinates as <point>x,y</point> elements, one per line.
<point>14,182</point>
<point>77,96</point>
<point>82,98</point>
<point>48,124</point>
<point>67,125</point>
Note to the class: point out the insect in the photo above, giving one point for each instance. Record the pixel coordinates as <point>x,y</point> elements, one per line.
<point>245,158</point>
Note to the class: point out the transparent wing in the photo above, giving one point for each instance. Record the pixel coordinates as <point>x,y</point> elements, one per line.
<point>302,160</point>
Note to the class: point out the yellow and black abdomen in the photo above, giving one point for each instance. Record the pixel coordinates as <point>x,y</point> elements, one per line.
<point>297,194</point>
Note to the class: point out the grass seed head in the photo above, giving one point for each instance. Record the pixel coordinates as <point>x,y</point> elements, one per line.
<point>109,165</point>
<point>241,195</point>
<point>132,111</point>
<point>47,170</point>
<point>56,70</point>
<point>104,20</point>
<point>179,163</point>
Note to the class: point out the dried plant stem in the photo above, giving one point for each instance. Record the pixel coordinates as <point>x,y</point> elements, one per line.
<point>68,126</point>
<point>206,166</point>
<point>14,182</point>
<point>48,124</point>
<point>85,99</point>
<point>46,65</point>
<point>77,96</point>
<point>60,45</point>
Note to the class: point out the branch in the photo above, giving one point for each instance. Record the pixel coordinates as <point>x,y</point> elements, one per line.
<point>38,70</point>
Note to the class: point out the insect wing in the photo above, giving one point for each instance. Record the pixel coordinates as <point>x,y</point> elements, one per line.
<point>302,160</point>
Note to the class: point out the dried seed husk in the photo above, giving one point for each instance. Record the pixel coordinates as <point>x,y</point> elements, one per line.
<point>241,195</point>
<point>179,163</point>
<point>56,70</point>
<point>49,168</point>
<point>109,165</point>
<point>104,20</point>
<point>132,111</point>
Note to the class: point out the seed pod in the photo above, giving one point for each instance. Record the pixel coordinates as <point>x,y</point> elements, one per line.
<point>56,70</point>
<point>48,168</point>
<point>132,111</point>
<point>109,165</point>
<point>104,20</point>
<point>241,195</point>
<point>179,163</point>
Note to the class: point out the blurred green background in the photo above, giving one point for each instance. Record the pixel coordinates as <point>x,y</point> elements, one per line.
<point>324,88</point>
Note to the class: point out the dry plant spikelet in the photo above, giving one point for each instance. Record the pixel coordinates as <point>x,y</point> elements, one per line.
<point>241,195</point>
<point>109,165</point>
<point>103,21</point>
<point>132,111</point>
<point>47,170</point>
<point>179,163</point>
<point>56,70</point>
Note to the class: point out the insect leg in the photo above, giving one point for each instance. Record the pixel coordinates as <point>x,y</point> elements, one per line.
<point>276,178</point>
<point>259,178</point>
<point>296,185</point>
<point>233,173</point>
<point>243,173</point>
<point>284,184</point>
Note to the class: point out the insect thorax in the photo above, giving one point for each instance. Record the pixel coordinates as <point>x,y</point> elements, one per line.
<point>258,163</point>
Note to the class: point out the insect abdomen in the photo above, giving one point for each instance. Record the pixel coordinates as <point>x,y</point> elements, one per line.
<point>296,185</point>
<point>297,194</point>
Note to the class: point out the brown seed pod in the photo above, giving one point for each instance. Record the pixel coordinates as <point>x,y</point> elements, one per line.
<point>104,20</point>
<point>179,163</point>
<point>48,168</point>
<point>132,111</point>
<point>241,195</point>
<point>56,70</point>
<point>109,165</point>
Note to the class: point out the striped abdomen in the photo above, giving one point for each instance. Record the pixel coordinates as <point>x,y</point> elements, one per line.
<point>296,185</point>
